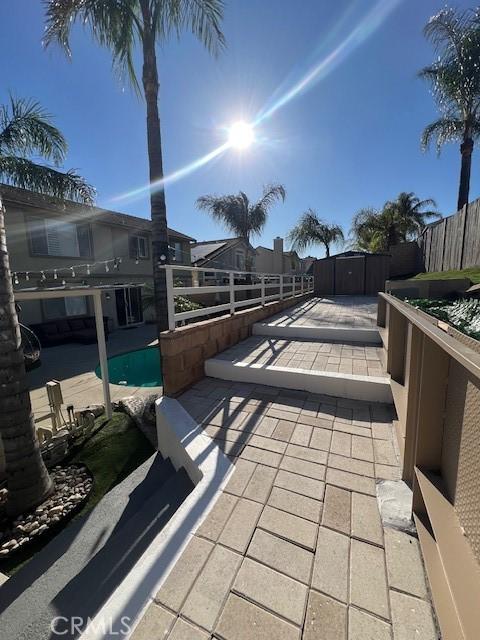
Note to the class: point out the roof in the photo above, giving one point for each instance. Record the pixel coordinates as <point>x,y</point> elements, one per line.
<point>207,250</point>
<point>79,211</point>
<point>354,254</point>
<point>201,251</point>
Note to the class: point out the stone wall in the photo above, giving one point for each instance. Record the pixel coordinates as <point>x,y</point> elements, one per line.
<point>185,350</point>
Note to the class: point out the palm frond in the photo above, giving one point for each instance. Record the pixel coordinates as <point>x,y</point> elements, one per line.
<point>26,129</point>
<point>442,130</point>
<point>24,173</point>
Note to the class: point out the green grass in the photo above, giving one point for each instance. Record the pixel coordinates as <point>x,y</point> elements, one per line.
<point>472,272</point>
<point>111,452</point>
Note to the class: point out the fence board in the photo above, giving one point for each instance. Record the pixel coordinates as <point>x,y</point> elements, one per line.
<point>453,243</point>
<point>471,251</point>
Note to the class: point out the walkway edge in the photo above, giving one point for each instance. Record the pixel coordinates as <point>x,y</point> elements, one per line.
<point>311,332</point>
<point>182,440</point>
<point>343,385</point>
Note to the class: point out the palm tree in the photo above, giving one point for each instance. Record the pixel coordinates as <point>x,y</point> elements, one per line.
<point>240,216</point>
<point>455,82</point>
<point>25,130</point>
<point>412,214</point>
<point>120,25</point>
<point>398,221</point>
<point>312,230</point>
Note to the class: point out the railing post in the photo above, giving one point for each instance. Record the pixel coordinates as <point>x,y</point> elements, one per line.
<point>170,297</point>
<point>231,282</point>
<point>281,286</point>
<point>262,282</point>
<point>301,285</point>
<point>293,286</point>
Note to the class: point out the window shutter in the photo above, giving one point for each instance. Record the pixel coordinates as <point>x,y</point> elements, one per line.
<point>38,237</point>
<point>133,247</point>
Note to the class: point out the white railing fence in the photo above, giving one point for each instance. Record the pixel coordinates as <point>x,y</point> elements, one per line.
<point>268,287</point>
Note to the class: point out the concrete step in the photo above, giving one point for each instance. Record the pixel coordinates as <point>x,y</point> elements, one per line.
<point>311,332</point>
<point>343,385</point>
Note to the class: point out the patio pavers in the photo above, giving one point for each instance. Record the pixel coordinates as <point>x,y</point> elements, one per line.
<point>294,547</point>
<point>348,311</point>
<point>314,355</point>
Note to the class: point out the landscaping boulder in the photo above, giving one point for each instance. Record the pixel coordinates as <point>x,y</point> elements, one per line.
<point>142,411</point>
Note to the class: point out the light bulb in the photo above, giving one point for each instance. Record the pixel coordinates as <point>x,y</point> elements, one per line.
<point>27,277</point>
<point>107,268</point>
<point>44,277</point>
<point>15,278</point>
<point>88,269</point>
<point>55,276</point>
<point>73,272</point>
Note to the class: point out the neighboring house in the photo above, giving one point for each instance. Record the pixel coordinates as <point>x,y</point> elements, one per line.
<point>232,254</point>
<point>52,240</point>
<point>277,260</point>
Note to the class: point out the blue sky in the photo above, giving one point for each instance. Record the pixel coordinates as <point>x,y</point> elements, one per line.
<point>349,140</point>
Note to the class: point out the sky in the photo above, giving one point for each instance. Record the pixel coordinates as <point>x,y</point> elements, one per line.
<point>332,86</point>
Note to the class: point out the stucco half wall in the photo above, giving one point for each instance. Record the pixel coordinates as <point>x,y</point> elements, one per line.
<point>185,350</point>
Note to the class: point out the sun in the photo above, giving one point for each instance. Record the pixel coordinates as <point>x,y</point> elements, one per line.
<point>241,135</point>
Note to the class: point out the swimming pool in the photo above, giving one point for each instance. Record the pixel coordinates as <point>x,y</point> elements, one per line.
<point>140,368</point>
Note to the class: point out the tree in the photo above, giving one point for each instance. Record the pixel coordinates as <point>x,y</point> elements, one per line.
<point>455,82</point>
<point>398,221</point>
<point>312,230</point>
<point>25,130</point>
<point>240,216</point>
<point>120,25</point>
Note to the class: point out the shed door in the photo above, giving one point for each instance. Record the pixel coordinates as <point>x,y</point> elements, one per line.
<point>350,276</point>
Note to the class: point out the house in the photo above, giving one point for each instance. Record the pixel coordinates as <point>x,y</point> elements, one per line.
<point>51,240</point>
<point>277,260</point>
<point>307,264</point>
<point>231,254</point>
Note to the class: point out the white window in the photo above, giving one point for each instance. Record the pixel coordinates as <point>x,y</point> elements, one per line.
<point>51,237</point>
<point>63,307</point>
<point>138,247</point>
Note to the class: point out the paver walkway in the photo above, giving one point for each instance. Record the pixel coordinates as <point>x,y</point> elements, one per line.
<point>315,355</point>
<point>294,548</point>
<point>348,311</point>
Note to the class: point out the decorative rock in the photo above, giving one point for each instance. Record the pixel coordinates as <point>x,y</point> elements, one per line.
<point>10,544</point>
<point>54,510</point>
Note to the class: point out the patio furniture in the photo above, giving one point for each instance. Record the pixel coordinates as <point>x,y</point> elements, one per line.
<point>75,329</point>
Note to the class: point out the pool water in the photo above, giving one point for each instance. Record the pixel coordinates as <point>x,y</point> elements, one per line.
<point>140,368</point>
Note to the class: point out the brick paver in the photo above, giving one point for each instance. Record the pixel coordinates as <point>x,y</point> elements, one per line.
<point>314,355</point>
<point>348,311</point>
<point>294,548</point>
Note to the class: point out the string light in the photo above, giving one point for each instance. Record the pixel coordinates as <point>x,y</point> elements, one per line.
<point>27,276</point>
<point>88,269</point>
<point>73,272</point>
<point>55,275</point>
<point>15,278</point>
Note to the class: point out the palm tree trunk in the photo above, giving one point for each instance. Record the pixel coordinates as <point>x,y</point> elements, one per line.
<point>28,482</point>
<point>327,249</point>
<point>466,149</point>
<point>160,250</point>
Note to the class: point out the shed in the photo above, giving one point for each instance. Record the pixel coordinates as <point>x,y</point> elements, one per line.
<point>351,273</point>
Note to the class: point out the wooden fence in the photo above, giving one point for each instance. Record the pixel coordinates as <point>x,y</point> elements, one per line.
<point>453,242</point>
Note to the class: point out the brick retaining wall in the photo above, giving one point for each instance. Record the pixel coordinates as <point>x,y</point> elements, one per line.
<point>185,350</point>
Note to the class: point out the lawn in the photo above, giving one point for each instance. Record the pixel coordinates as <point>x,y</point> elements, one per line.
<point>111,452</point>
<point>472,272</point>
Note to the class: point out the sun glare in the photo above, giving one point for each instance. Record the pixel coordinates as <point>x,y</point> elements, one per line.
<point>241,135</point>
